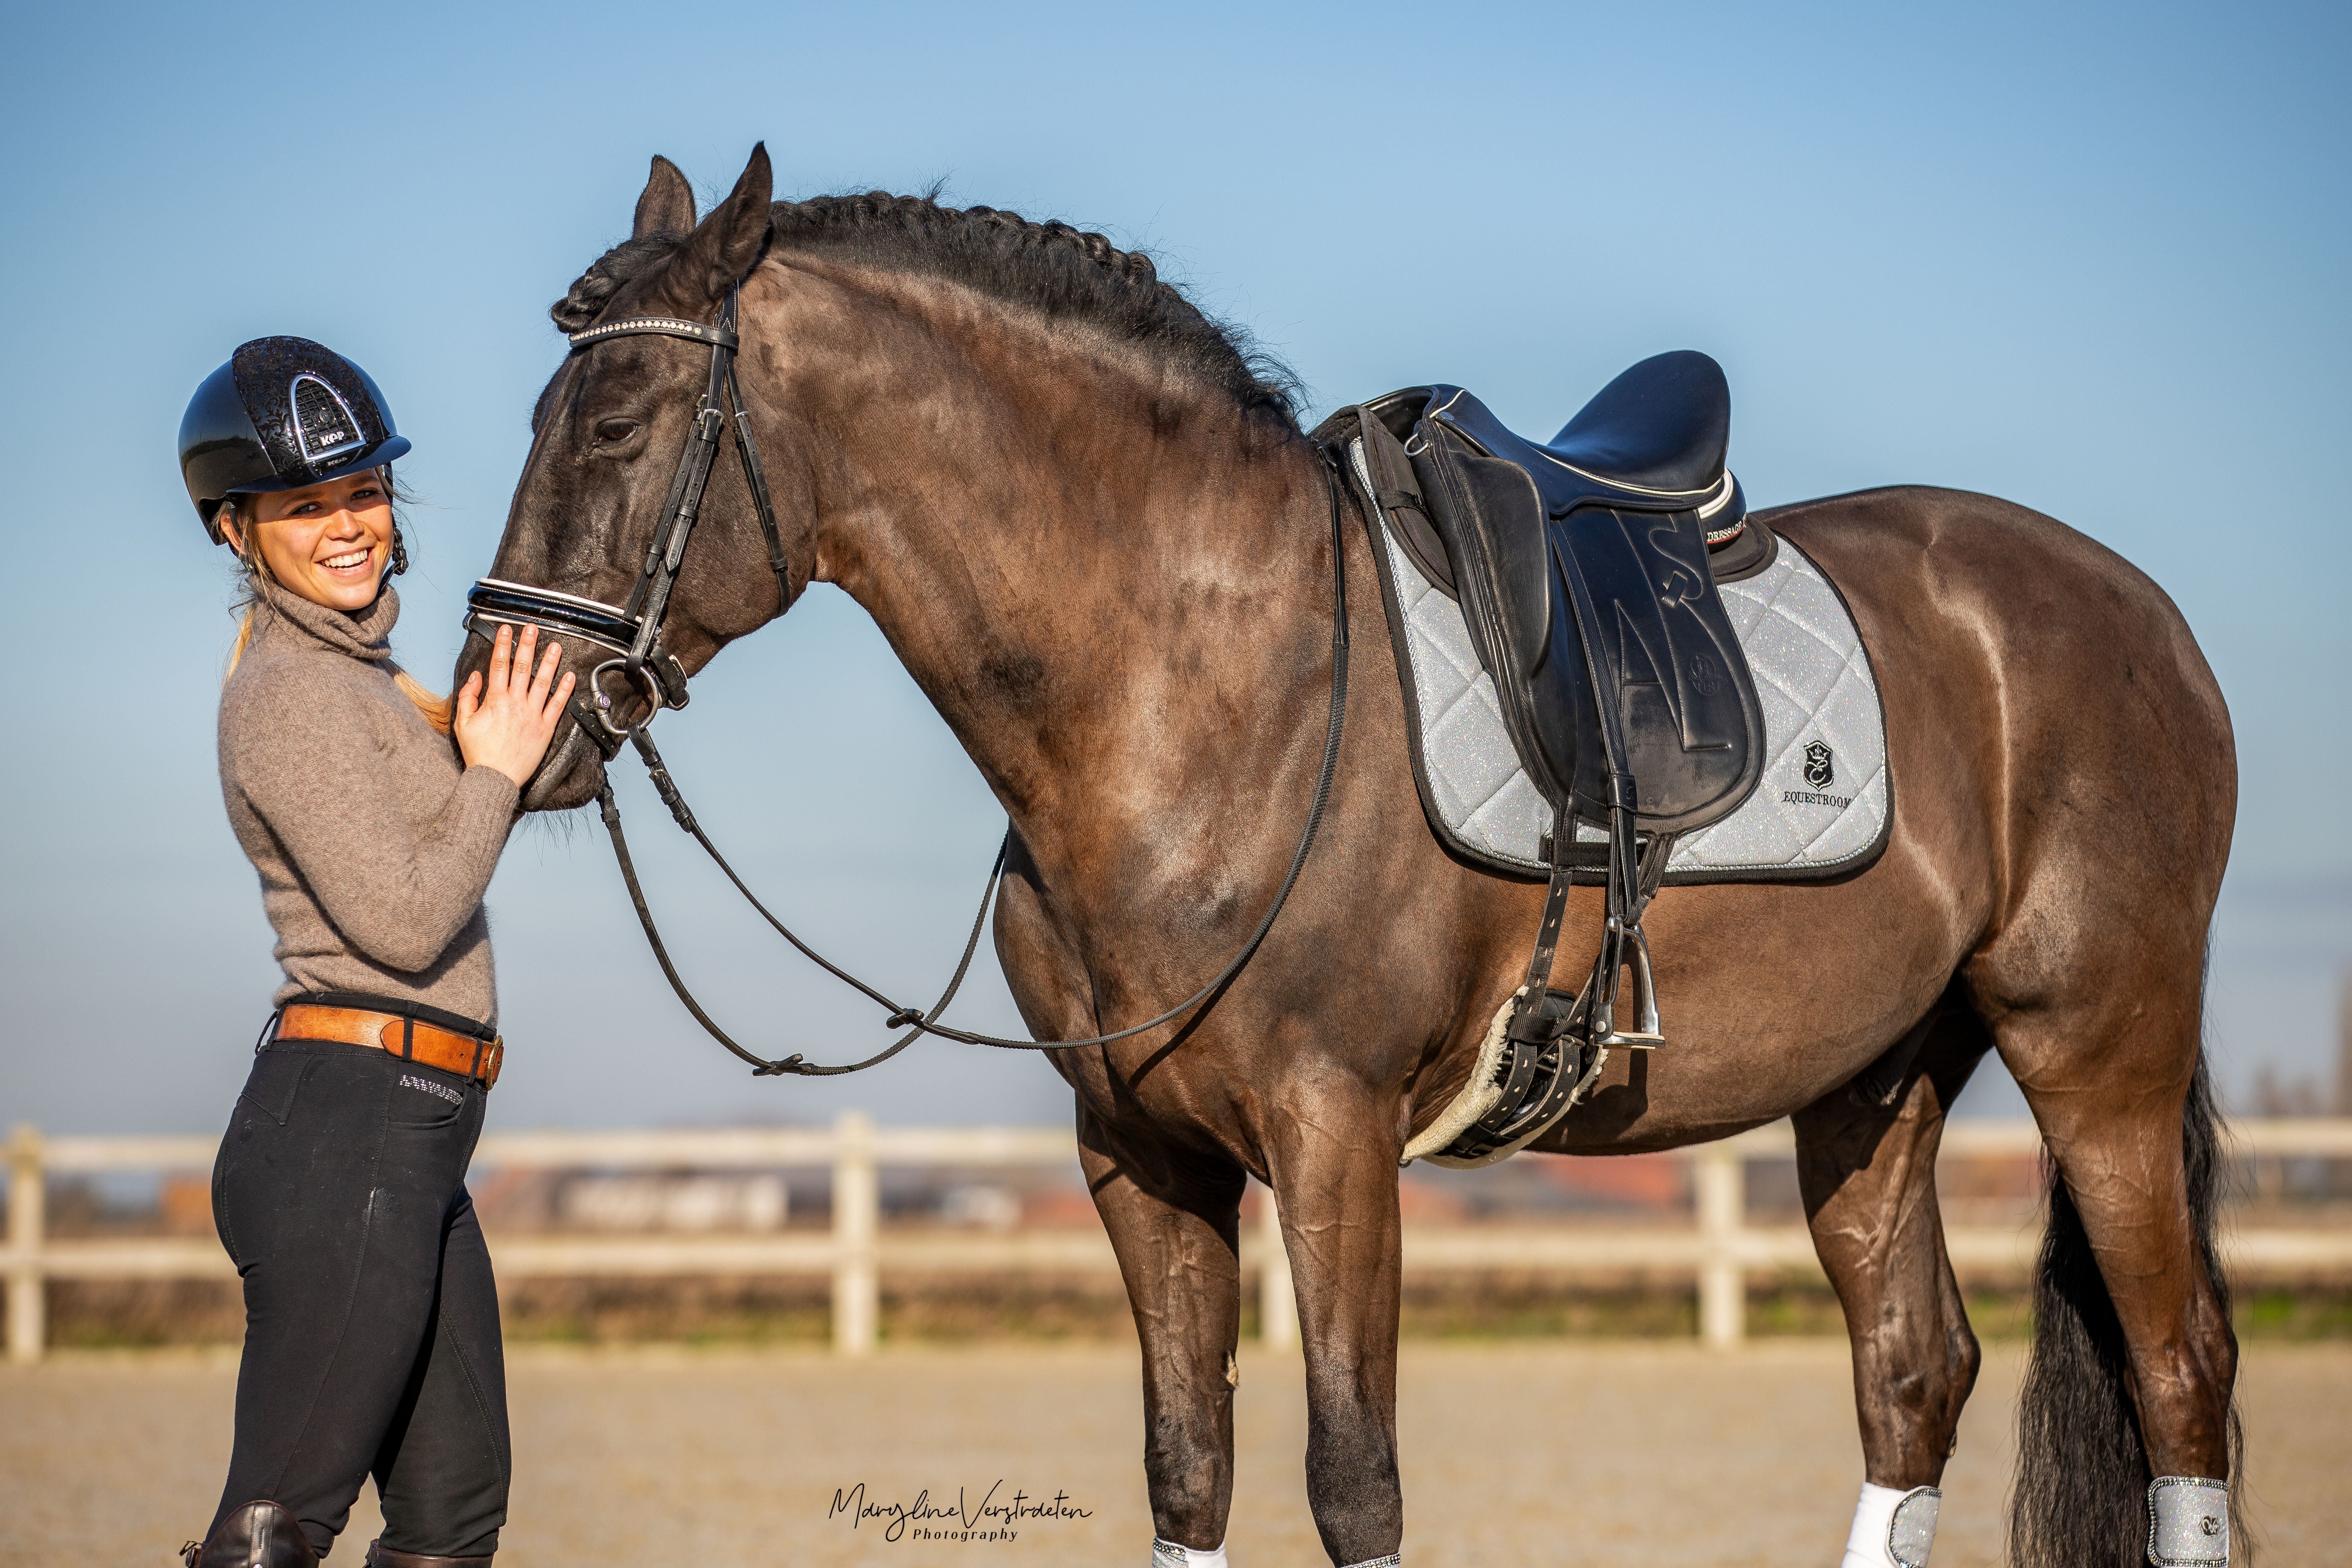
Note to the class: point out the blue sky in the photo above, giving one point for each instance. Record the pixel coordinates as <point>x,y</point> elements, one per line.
<point>2089,258</point>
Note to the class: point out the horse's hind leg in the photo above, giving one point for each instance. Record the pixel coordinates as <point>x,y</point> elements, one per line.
<point>1175,1225</point>
<point>1866,1168</point>
<point>2134,1358</point>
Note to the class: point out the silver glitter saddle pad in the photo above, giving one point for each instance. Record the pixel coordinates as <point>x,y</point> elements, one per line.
<point>1821,809</point>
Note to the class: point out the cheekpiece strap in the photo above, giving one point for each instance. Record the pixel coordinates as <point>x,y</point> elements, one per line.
<point>655,326</point>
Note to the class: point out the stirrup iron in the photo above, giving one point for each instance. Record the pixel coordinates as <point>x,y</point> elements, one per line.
<point>1645,1036</point>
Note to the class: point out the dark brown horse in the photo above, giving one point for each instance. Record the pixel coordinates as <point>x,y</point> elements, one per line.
<point>1092,532</point>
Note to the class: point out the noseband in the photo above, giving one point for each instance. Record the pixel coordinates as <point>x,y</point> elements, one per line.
<point>631,633</point>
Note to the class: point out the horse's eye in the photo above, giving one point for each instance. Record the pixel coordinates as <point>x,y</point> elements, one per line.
<point>611,431</point>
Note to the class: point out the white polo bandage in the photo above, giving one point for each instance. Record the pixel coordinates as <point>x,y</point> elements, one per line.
<point>1168,1554</point>
<point>1892,1528</point>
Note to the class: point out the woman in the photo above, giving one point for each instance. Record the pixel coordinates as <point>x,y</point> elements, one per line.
<point>371,1327</point>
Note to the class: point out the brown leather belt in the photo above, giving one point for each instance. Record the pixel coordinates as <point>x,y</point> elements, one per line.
<point>407,1039</point>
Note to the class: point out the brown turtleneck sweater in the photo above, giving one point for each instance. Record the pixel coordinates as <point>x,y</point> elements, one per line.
<point>374,844</point>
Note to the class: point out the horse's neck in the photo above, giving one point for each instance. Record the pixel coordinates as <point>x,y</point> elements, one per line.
<point>1112,598</point>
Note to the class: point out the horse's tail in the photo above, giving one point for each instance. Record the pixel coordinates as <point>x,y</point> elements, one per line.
<point>2079,1499</point>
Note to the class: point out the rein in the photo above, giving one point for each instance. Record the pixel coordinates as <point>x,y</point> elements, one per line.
<point>631,633</point>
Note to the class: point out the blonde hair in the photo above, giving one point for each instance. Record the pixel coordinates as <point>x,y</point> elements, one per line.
<point>259,586</point>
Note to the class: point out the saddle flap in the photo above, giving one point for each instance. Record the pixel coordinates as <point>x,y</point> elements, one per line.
<point>1662,652</point>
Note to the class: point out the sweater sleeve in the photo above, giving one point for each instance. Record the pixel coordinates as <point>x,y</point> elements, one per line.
<point>313,770</point>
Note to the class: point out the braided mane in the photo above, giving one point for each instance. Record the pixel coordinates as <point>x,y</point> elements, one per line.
<point>1062,272</point>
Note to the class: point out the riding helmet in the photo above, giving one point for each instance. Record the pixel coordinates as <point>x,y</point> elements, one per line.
<point>282,413</point>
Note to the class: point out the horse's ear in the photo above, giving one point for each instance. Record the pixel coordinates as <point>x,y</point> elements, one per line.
<point>728,243</point>
<point>668,202</point>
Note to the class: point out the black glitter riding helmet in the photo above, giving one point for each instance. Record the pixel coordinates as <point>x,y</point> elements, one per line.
<point>282,413</point>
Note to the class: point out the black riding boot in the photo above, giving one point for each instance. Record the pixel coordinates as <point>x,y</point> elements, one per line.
<point>261,1534</point>
<point>381,1556</point>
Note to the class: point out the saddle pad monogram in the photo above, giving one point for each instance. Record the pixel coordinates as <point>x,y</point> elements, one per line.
<point>1821,810</point>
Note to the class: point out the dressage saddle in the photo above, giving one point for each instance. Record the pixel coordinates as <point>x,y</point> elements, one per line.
<point>1582,568</point>
<point>1581,565</point>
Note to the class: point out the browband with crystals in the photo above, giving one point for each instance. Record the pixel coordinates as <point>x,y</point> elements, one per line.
<point>661,326</point>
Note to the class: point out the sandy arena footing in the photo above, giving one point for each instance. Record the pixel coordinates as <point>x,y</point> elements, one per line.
<point>1664,1457</point>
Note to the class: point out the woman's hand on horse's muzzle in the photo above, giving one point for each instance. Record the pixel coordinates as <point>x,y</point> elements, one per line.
<point>506,715</point>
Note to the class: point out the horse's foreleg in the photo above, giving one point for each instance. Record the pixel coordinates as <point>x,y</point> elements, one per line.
<point>1333,1152</point>
<point>1866,1166</point>
<point>1174,1222</point>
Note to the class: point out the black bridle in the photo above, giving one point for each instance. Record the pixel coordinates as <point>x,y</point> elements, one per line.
<point>632,635</point>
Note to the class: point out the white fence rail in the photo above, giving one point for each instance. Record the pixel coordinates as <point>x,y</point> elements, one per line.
<point>1719,1250</point>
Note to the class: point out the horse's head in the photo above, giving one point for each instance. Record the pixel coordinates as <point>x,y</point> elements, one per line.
<point>609,438</point>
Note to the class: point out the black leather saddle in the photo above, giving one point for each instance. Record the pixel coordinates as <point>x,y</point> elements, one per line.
<point>1581,565</point>
<point>1582,569</point>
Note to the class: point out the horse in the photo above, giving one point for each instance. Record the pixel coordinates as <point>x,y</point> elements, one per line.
<point>1087,522</point>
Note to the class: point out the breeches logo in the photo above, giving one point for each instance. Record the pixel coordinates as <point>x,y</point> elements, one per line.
<point>440,1091</point>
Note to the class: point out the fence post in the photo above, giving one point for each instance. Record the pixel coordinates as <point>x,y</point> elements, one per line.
<point>856,1208</point>
<point>1722,1287</point>
<point>27,1230</point>
<point>1278,1300</point>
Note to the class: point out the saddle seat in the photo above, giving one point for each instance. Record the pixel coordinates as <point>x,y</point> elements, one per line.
<point>1657,437</point>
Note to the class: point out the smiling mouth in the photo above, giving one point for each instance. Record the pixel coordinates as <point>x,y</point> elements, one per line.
<point>346,561</point>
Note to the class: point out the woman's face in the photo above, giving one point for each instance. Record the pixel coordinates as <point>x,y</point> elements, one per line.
<point>329,542</point>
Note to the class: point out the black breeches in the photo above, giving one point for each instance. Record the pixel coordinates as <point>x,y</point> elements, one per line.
<point>372,1319</point>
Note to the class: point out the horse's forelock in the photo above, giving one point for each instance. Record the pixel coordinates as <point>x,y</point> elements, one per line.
<point>609,274</point>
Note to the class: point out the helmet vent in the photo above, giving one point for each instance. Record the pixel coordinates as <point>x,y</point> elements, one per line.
<point>324,426</point>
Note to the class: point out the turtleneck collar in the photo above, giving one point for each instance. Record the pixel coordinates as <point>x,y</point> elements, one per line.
<point>367,635</point>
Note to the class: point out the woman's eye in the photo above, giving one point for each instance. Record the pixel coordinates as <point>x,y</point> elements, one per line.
<point>612,430</point>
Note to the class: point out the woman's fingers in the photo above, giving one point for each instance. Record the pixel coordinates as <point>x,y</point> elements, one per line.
<point>469,697</point>
<point>519,673</point>
<point>502,657</point>
<point>544,676</point>
<point>557,699</point>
